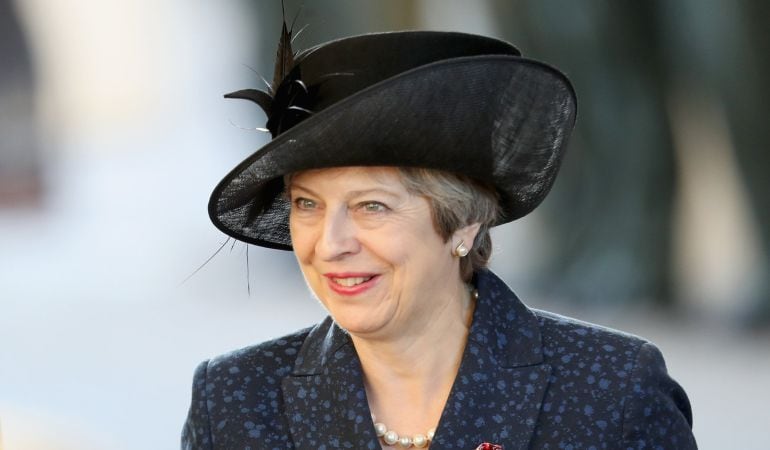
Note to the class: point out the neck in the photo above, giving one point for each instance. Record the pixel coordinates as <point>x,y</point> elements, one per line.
<point>416,369</point>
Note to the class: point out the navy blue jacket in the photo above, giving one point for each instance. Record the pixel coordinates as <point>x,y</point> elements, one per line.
<point>528,379</point>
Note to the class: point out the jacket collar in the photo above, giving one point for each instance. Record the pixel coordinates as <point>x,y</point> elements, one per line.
<point>496,396</point>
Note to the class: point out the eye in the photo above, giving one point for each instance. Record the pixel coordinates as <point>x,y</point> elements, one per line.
<point>373,207</point>
<point>304,203</point>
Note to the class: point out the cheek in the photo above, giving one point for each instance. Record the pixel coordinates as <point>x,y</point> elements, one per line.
<point>302,242</point>
<point>303,252</point>
<point>412,255</point>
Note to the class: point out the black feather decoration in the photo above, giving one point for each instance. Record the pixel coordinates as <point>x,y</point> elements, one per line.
<point>287,99</point>
<point>284,58</point>
<point>261,98</point>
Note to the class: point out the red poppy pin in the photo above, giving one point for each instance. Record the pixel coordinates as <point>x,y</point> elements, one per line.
<point>488,446</point>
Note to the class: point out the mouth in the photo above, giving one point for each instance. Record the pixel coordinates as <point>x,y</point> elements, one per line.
<point>350,284</point>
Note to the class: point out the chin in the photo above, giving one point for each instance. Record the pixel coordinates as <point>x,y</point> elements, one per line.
<point>362,314</point>
<point>354,325</point>
<point>356,319</point>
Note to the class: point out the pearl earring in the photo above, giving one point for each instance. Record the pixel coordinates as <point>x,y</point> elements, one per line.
<point>461,250</point>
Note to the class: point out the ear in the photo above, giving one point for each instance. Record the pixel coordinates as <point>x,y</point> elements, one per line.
<point>466,234</point>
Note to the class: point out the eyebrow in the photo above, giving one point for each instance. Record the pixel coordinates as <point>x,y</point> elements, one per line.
<point>354,194</point>
<point>349,195</point>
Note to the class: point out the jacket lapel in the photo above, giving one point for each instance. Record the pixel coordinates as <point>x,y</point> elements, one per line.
<point>324,398</point>
<point>502,380</point>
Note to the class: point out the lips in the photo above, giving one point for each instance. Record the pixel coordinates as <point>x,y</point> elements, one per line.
<point>351,283</point>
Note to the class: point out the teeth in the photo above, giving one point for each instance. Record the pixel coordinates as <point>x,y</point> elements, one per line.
<point>348,282</point>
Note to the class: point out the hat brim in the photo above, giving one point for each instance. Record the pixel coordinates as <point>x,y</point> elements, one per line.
<point>503,120</point>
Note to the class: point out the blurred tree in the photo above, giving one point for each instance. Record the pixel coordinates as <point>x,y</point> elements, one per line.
<point>722,49</point>
<point>610,212</point>
<point>20,181</point>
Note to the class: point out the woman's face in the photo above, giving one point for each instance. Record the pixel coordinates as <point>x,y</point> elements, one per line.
<point>369,251</point>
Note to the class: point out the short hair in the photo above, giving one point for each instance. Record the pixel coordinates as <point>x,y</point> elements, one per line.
<point>457,201</point>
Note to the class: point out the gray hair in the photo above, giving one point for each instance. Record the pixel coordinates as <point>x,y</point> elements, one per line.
<point>457,201</point>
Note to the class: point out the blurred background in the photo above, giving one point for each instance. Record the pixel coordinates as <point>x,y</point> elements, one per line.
<point>113,131</point>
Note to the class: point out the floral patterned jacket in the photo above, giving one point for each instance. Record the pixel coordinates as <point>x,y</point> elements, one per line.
<point>528,380</point>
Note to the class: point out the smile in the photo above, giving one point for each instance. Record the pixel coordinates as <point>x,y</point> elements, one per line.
<point>348,282</point>
<point>351,283</point>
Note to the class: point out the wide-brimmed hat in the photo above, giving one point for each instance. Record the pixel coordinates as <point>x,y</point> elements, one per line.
<point>450,101</point>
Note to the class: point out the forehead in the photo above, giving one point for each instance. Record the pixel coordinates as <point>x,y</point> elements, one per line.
<point>376,176</point>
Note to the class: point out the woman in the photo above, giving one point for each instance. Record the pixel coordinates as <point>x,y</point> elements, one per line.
<point>393,155</point>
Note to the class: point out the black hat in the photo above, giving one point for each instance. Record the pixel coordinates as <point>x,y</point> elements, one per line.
<point>450,101</point>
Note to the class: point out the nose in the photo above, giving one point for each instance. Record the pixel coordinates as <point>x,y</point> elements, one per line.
<point>338,237</point>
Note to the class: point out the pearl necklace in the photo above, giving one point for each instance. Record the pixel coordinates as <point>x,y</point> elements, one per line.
<point>390,437</point>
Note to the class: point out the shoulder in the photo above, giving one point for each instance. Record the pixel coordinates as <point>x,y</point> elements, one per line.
<point>563,336</point>
<point>613,381</point>
<point>589,361</point>
<point>592,360</point>
<point>275,357</point>
<point>236,397</point>
<point>257,369</point>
